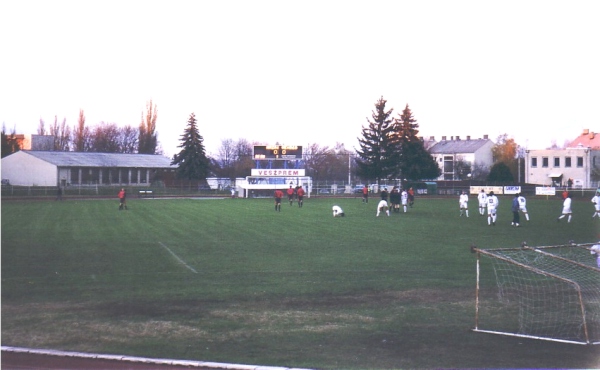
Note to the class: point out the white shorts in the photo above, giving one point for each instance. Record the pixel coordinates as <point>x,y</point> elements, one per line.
<point>463,205</point>
<point>523,209</point>
<point>491,210</point>
<point>566,210</point>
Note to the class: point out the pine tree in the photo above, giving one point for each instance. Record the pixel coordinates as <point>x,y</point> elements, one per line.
<point>192,160</point>
<point>379,153</point>
<point>415,163</point>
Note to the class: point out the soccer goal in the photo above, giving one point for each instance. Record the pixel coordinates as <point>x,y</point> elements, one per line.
<point>549,293</point>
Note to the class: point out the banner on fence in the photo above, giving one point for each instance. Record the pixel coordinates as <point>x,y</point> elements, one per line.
<point>486,189</point>
<point>512,189</point>
<point>545,190</point>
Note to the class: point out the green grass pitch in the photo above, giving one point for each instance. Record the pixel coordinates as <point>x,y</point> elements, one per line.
<point>231,280</point>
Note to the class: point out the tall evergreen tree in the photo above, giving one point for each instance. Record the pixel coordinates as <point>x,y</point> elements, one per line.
<point>192,160</point>
<point>415,163</point>
<point>379,153</point>
<point>148,139</point>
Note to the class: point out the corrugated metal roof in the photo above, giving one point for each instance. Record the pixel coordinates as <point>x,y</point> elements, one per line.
<point>89,159</point>
<point>457,146</point>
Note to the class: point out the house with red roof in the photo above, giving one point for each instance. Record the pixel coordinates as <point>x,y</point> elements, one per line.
<point>575,166</point>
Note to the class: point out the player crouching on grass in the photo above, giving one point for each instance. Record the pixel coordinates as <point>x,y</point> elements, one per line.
<point>383,206</point>
<point>338,211</point>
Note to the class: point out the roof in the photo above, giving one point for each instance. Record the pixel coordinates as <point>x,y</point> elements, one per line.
<point>91,159</point>
<point>458,146</point>
<point>588,139</point>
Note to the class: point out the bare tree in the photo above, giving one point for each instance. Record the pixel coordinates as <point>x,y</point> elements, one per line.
<point>105,138</point>
<point>128,139</point>
<point>81,135</point>
<point>61,135</point>
<point>41,128</point>
<point>234,159</point>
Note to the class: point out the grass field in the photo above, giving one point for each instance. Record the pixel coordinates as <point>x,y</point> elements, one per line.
<point>231,280</point>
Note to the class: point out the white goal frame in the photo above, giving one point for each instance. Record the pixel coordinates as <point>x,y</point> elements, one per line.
<point>519,272</point>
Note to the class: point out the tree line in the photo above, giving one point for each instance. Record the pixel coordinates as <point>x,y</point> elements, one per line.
<point>389,148</point>
<point>104,137</point>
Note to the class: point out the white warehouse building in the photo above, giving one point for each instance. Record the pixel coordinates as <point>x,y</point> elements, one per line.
<point>53,168</point>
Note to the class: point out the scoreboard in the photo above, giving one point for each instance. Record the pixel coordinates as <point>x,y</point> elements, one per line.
<point>277,152</point>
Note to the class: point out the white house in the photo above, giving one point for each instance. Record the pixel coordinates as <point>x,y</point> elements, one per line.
<point>472,152</point>
<point>578,162</point>
<point>53,168</point>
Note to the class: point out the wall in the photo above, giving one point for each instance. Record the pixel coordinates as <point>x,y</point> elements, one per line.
<point>23,169</point>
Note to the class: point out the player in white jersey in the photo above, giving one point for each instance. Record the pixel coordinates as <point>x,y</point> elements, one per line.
<point>383,206</point>
<point>463,202</point>
<point>338,211</point>
<point>523,205</point>
<point>492,206</point>
<point>596,201</point>
<point>404,199</point>
<point>482,198</point>
<point>566,212</point>
<point>595,250</point>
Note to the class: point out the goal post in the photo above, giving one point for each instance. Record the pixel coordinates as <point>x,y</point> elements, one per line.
<point>548,293</point>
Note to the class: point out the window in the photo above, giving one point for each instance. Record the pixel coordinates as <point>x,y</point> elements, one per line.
<point>544,161</point>
<point>533,161</point>
<point>556,161</point>
<point>567,161</point>
<point>579,161</point>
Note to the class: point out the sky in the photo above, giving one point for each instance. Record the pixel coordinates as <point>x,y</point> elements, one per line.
<point>297,73</point>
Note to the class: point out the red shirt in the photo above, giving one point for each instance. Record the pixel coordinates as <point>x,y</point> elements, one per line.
<point>278,194</point>
<point>300,192</point>
<point>290,191</point>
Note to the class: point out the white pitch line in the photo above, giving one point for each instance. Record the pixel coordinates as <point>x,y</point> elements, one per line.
<point>177,258</point>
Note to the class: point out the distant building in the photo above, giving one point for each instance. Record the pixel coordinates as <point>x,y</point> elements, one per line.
<point>453,155</point>
<point>35,142</point>
<point>51,168</point>
<point>577,165</point>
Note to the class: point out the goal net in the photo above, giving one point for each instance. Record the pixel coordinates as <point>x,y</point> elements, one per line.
<point>550,293</point>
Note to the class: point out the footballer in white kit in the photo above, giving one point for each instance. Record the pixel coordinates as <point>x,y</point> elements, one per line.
<point>596,201</point>
<point>337,211</point>
<point>463,202</point>
<point>404,199</point>
<point>523,205</point>
<point>595,249</point>
<point>492,205</point>
<point>383,206</point>
<point>482,198</point>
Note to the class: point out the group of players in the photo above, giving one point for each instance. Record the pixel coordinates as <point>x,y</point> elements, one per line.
<point>397,197</point>
<point>291,192</point>
<point>405,197</point>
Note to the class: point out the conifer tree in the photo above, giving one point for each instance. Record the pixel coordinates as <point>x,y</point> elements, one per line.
<point>379,153</point>
<point>416,163</point>
<point>192,160</point>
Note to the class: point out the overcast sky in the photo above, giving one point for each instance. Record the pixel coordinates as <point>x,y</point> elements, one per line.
<point>299,72</point>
